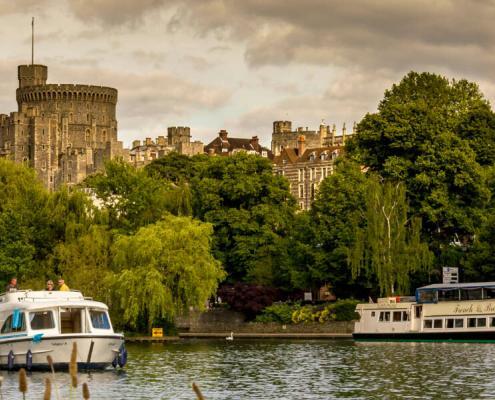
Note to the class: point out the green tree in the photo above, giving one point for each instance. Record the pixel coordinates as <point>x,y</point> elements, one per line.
<point>389,245</point>
<point>164,268</point>
<point>436,136</point>
<point>251,211</point>
<point>133,198</point>
<point>320,241</point>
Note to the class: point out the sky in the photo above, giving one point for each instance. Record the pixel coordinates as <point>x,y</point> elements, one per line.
<point>242,64</point>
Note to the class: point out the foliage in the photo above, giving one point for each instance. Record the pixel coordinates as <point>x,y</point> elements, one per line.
<point>389,245</point>
<point>278,312</point>
<point>321,238</point>
<point>164,268</point>
<point>342,310</point>
<point>248,299</point>
<point>133,198</point>
<point>436,136</point>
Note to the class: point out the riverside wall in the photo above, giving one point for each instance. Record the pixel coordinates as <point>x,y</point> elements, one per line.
<point>224,320</point>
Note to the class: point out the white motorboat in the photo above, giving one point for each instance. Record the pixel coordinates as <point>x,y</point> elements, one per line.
<point>462,312</point>
<point>37,324</point>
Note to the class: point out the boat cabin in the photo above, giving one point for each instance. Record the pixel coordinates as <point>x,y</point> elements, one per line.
<point>51,313</point>
<point>438,293</point>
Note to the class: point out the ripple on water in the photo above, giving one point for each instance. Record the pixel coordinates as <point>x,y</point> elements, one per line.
<point>289,370</point>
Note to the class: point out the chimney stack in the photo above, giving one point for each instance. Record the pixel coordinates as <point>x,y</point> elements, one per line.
<point>301,145</point>
<point>255,142</point>
<point>223,134</point>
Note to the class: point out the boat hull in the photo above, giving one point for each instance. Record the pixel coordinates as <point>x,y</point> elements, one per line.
<point>460,337</point>
<point>93,351</point>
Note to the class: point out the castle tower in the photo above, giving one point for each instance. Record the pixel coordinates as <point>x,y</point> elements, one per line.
<point>32,75</point>
<point>282,126</point>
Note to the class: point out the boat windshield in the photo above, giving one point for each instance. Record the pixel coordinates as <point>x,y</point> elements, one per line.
<point>16,322</point>
<point>99,319</point>
<point>41,320</point>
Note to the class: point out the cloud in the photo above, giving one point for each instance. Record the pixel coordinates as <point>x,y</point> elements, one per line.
<point>113,12</point>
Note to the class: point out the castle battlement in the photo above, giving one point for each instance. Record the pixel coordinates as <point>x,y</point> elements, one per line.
<point>66,92</point>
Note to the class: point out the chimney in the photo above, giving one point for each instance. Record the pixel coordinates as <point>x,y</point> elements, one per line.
<point>255,142</point>
<point>136,143</point>
<point>160,140</point>
<point>343,135</point>
<point>148,141</point>
<point>223,134</point>
<point>301,145</point>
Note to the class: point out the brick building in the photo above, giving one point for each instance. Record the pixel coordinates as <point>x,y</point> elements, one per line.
<point>305,168</point>
<point>226,146</point>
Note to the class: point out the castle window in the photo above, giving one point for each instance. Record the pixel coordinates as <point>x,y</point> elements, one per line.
<point>87,117</point>
<point>104,136</point>
<point>70,117</point>
<point>87,136</point>
<point>301,191</point>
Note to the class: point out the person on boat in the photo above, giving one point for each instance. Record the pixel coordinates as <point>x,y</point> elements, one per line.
<point>12,286</point>
<point>62,286</point>
<point>49,285</point>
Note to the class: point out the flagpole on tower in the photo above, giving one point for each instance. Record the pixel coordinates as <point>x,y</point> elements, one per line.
<point>32,41</point>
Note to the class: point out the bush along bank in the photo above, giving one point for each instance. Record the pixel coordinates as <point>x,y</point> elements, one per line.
<point>295,313</point>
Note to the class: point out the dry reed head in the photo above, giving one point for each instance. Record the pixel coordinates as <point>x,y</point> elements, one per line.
<point>85,391</point>
<point>199,395</point>
<point>48,389</point>
<point>23,386</point>
<point>73,365</point>
<point>50,361</point>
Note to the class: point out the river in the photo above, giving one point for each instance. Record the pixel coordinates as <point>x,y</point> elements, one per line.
<point>285,369</point>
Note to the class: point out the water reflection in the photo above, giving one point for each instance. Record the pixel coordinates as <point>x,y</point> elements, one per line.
<point>289,370</point>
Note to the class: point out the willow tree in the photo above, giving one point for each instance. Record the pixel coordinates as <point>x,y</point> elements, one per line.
<point>389,246</point>
<point>165,269</point>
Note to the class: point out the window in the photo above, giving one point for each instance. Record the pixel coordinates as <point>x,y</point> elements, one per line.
<point>16,322</point>
<point>41,320</point>
<point>492,322</point>
<point>489,293</point>
<point>70,320</point>
<point>417,311</point>
<point>372,313</point>
<point>428,323</point>
<point>459,323</point>
<point>448,295</point>
<point>471,294</point>
<point>301,190</point>
<point>449,323</point>
<point>397,316</point>
<point>99,319</point>
<point>384,316</point>
<point>405,316</point>
<point>476,322</point>
<point>427,296</point>
<point>437,323</point>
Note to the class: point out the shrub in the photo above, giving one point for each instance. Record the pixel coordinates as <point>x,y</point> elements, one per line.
<point>342,310</point>
<point>278,312</point>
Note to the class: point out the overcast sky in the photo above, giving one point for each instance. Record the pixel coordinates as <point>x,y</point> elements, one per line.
<point>241,64</point>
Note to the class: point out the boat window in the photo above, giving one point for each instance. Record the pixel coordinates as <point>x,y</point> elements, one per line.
<point>471,323</point>
<point>448,295</point>
<point>372,313</point>
<point>14,323</point>
<point>428,323</point>
<point>70,320</point>
<point>449,323</point>
<point>471,294</point>
<point>481,322</point>
<point>427,296</point>
<point>492,321</point>
<point>418,311</point>
<point>459,323</point>
<point>99,319</point>
<point>405,316</point>
<point>489,293</point>
<point>397,316</point>
<point>41,320</point>
<point>438,323</point>
<point>384,316</point>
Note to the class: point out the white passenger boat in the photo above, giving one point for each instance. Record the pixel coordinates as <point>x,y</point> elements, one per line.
<point>463,312</point>
<point>37,324</point>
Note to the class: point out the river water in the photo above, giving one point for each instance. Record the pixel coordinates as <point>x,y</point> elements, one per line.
<point>284,369</point>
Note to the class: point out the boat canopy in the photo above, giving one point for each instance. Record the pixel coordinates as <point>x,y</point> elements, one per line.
<point>455,292</point>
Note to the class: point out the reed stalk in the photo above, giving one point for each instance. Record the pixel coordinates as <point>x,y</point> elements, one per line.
<point>48,389</point>
<point>23,386</point>
<point>199,395</point>
<point>85,390</point>
<point>1,382</point>
<point>50,363</point>
<point>73,366</point>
